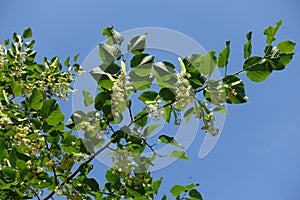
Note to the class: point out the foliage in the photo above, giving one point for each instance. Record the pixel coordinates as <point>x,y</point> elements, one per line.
<point>39,151</point>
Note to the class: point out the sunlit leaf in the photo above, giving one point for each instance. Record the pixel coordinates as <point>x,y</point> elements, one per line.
<point>88,98</point>
<point>27,33</point>
<point>271,31</point>
<point>178,154</point>
<point>286,47</point>
<point>224,55</point>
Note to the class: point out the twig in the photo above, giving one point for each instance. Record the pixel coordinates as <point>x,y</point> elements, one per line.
<point>78,169</point>
<point>53,168</point>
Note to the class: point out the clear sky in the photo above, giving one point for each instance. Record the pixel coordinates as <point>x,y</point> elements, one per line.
<point>257,155</point>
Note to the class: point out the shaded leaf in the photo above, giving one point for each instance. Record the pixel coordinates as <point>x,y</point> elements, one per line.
<point>235,90</point>
<point>137,44</point>
<point>169,140</point>
<point>195,194</point>
<point>149,129</point>
<point>36,99</point>
<point>148,97</point>
<point>143,121</point>
<point>208,63</point>
<point>109,54</point>
<point>15,87</point>
<point>113,37</point>
<point>3,151</point>
<point>189,113</point>
<point>248,45</point>
<point>167,94</point>
<point>88,98</point>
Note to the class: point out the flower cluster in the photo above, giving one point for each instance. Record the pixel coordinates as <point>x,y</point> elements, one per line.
<point>155,110</point>
<point>209,125</point>
<point>121,92</point>
<point>183,88</point>
<point>183,92</point>
<point>2,55</point>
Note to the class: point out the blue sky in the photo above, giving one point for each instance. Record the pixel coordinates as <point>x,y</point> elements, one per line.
<point>257,155</point>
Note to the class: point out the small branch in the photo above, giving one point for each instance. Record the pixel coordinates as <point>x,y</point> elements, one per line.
<point>77,170</point>
<point>151,148</point>
<point>35,194</point>
<point>53,168</point>
<point>130,113</point>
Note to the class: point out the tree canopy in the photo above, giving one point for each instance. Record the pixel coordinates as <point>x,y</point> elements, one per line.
<point>39,150</point>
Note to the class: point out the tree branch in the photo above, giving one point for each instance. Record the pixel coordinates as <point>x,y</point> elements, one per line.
<point>77,170</point>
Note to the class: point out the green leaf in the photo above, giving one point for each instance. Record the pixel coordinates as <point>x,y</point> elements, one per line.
<point>169,140</point>
<point>165,74</point>
<point>137,44</point>
<point>156,184</point>
<point>164,197</point>
<point>109,54</point>
<point>167,94</point>
<point>235,90</point>
<point>142,64</point>
<point>143,121</point>
<point>258,69</point>
<point>8,174</point>
<point>177,190</point>
<point>113,37</point>
<point>27,33</point>
<point>140,83</point>
<point>67,62</point>
<point>36,99</point>
<point>195,194</point>
<point>111,177</point>
<point>271,31</point>
<point>88,98</point>
<point>3,151</point>
<point>189,113</point>
<point>281,62</point>
<point>208,63</point>
<point>149,129</point>
<point>167,113</point>
<point>224,55</point>
<point>92,183</point>
<point>286,47</point>
<point>258,76</point>
<point>178,154</point>
<point>56,117</point>
<point>49,105</point>
<point>148,97</point>
<point>13,157</point>
<point>85,168</point>
<point>102,99</point>
<point>15,87</point>
<point>76,57</point>
<point>111,68</point>
<point>248,45</point>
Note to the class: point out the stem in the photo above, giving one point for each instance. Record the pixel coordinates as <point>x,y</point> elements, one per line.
<point>77,170</point>
<point>53,168</point>
<point>130,113</point>
<point>35,194</point>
